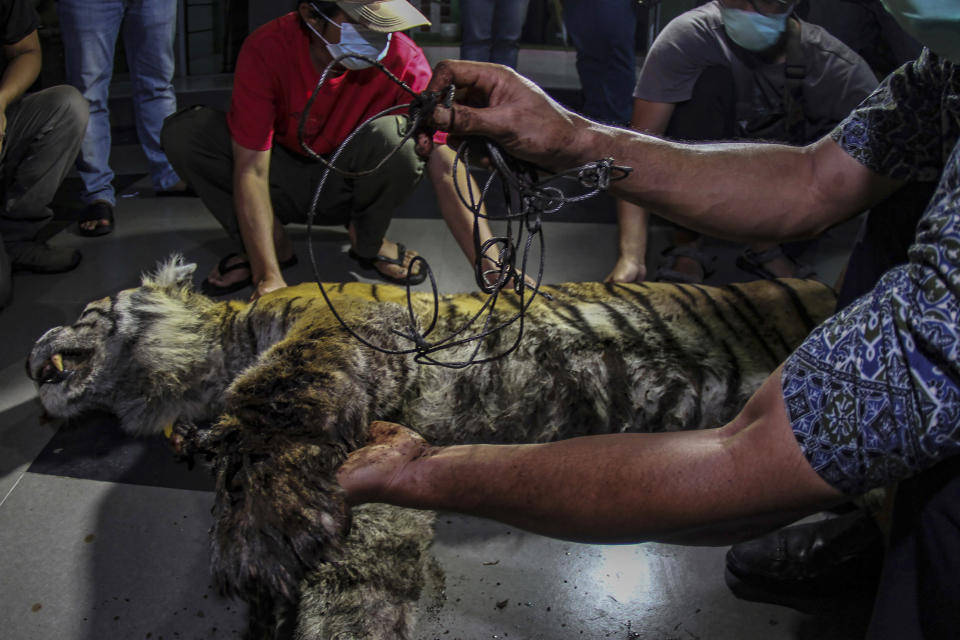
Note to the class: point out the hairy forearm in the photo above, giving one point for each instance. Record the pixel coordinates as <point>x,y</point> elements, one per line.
<point>21,72</point>
<point>742,192</point>
<point>601,489</point>
<point>748,192</point>
<point>695,487</point>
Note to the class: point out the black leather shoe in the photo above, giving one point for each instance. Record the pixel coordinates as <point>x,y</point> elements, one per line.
<point>39,257</point>
<point>806,563</point>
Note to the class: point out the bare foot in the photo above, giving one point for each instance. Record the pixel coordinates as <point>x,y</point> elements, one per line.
<point>239,273</point>
<point>781,266</point>
<point>688,266</point>
<point>389,249</point>
<point>104,208</point>
<point>230,276</point>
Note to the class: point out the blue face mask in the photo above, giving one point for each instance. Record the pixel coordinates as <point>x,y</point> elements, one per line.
<point>753,31</point>
<point>356,41</point>
<point>934,23</point>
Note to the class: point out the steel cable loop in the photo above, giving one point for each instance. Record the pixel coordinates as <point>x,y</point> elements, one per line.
<point>527,197</point>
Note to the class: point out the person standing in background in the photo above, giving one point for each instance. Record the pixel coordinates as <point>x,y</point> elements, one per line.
<point>90,31</point>
<point>604,34</point>
<point>491,30</point>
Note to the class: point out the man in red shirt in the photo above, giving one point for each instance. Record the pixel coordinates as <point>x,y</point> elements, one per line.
<point>248,166</point>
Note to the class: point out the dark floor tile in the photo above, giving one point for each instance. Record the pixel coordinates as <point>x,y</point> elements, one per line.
<point>94,447</point>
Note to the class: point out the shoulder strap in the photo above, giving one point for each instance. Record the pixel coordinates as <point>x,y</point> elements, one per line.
<point>795,71</point>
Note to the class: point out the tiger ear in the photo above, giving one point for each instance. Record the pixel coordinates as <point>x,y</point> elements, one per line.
<point>175,271</point>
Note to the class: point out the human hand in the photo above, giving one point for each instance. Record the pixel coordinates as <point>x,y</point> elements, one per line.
<point>494,101</point>
<point>627,270</point>
<point>368,473</point>
<point>266,285</point>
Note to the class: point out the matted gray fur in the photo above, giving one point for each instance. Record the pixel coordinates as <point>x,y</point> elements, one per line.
<point>290,394</point>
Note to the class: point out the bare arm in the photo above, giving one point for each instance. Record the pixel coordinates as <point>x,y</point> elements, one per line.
<point>23,67</point>
<point>696,487</point>
<point>251,194</point>
<point>457,216</point>
<point>653,118</point>
<point>746,192</point>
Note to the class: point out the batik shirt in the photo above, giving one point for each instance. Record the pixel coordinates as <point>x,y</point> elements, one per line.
<point>873,394</point>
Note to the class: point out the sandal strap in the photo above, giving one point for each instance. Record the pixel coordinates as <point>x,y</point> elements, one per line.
<point>667,273</point>
<point>401,254</point>
<point>223,268</point>
<point>672,275</point>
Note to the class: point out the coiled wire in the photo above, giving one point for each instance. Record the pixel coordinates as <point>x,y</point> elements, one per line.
<point>527,197</point>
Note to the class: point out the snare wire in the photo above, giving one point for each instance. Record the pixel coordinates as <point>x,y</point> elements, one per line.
<point>527,198</point>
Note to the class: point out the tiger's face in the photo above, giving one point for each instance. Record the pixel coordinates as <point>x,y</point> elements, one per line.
<point>73,365</point>
<point>143,355</point>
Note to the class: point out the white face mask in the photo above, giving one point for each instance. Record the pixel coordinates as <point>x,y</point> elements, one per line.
<point>355,40</point>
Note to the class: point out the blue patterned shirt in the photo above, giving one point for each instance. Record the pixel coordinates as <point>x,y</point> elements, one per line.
<point>873,394</point>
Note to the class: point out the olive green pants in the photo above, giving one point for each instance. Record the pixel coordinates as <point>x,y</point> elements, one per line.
<point>197,142</point>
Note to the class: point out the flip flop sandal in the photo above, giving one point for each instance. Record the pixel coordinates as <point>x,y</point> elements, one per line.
<point>752,262</point>
<point>667,273</point>
<point>214,290</point>
<point>94,213</point>
<point>371,263</point>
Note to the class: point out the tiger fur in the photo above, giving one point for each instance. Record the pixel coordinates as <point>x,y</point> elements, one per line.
<point>290,394</point>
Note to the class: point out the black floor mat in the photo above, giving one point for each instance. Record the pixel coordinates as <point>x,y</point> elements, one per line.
<point>94,447</point>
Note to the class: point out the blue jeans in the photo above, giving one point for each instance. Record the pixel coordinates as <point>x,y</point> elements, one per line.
<point>603,34</point>
<point>491,29</point>
<point>90,30</point>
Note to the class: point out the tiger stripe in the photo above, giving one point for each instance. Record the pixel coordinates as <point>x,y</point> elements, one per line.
<point>776,355</point>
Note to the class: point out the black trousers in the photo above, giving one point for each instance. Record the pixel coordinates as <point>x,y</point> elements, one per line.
<point>919,594</point>
<point>44,132</point>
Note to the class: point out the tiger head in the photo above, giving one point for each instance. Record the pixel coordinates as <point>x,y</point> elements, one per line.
<point>137,354</point>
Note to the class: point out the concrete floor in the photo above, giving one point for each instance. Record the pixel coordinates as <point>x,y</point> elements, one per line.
<point>103,536</point>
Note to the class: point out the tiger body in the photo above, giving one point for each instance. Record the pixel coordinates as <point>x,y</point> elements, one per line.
<point>292,394</point>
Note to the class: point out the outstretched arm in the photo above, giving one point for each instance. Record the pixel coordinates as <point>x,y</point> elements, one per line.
<point>697,487</point>
<point>746,192</point>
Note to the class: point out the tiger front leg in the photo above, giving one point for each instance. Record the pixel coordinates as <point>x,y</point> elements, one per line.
<point>289,423</point>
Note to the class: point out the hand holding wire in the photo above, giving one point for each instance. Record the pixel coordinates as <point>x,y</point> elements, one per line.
<point>527,196</point>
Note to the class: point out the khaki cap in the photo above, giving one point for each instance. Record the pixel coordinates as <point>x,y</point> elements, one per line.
<point>384,15</point>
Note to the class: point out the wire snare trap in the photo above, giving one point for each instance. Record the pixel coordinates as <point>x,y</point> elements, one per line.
<point>527,196</point>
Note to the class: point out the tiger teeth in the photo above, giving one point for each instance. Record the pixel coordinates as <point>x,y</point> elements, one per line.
<point>57,361</point>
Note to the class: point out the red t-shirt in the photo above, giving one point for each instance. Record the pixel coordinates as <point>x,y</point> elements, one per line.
<point>274,79</point>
